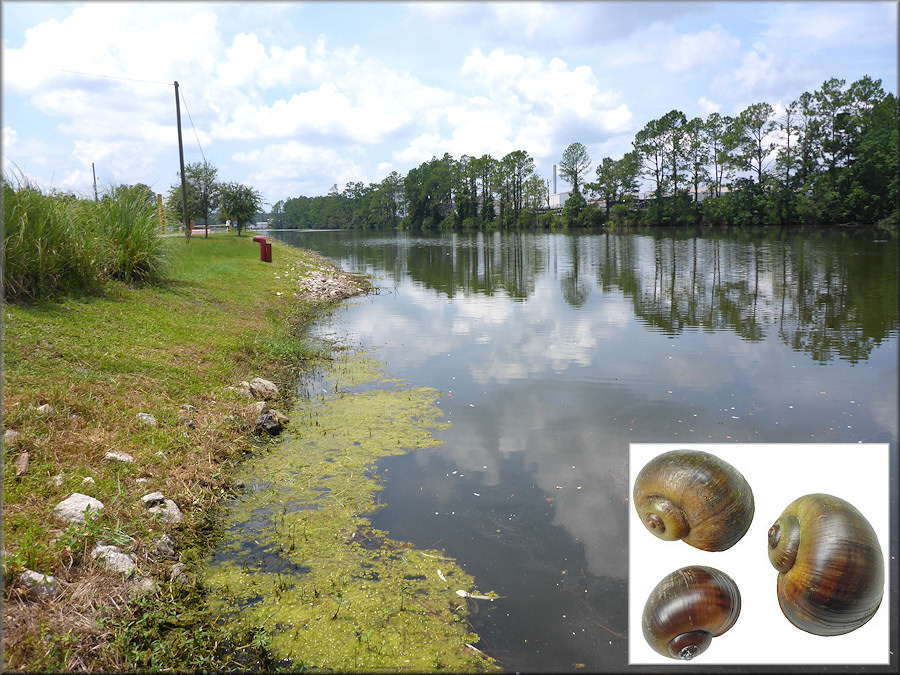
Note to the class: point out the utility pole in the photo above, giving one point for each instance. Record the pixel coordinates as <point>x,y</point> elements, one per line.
<point>96,199</point>
<point>184,204</point>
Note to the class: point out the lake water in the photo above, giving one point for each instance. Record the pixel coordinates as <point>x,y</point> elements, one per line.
<point>555,352</point>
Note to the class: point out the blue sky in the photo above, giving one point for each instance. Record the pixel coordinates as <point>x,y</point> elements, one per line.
<point>294,97</point>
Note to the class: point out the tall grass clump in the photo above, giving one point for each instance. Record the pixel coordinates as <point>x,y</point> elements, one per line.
<point>59,244</point>
<point>45,247</point>
<point>128,226</point>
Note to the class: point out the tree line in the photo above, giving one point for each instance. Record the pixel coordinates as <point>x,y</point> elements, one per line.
<point>442,193</point>
<point>829,158</point>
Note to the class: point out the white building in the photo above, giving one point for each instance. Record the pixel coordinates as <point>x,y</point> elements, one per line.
<point>558,199</point>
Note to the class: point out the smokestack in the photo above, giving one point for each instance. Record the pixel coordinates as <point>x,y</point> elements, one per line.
<point>554,179</point>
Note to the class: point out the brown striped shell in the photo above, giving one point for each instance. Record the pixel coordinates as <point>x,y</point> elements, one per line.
<point>830,564</point>
<point>696,497</point>
<point>687,609</point>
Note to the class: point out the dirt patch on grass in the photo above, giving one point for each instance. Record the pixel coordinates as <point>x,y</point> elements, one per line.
<point>70,629</point>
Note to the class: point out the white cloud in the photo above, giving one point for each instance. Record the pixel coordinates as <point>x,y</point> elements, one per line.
<point>120,40</point>
<point>756,72</point>
<point>246,61</point>
<point>88,151</point>
<point>549,25</point>
<point>69,102</point>
<point>442,12</point>
<point>10,136</point>
<point>707,107</point>
<point>384,168</point>
<point>800,45</point>
<point>386,89</point>
<point>531,90</point>
<point>618,119</point>
<point>422,148</point>
<point>526,19</point>
<point>356,100</point>
<point>102,76</point>
<point>279,165</point>
<point>249,70</point>
<point>706,49</point>
<point>478,128</point>
<point>75,180</point>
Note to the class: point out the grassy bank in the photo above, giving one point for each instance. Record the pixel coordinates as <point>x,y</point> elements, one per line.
<point>171,350</point>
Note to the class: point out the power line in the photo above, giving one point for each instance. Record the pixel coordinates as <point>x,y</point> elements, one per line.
<point>110,77</point>
<point>132,79</point>
<point>192,124</point>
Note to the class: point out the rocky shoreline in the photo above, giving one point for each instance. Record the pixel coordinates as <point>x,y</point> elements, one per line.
<point>326,282</point>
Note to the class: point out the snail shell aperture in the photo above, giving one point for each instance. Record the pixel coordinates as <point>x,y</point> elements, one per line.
<point>687,609</point>
<point>831,568</point>
<point>696,497</point>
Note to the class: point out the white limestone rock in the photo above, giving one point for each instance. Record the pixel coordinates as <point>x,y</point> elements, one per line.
<point>11,437</point>
<point>39,585</point>
<point>168,512</point>
<point>153,499</point>
<point>166,509</point>
<point>114,559</point>
<point>264,389</point>
<point>254,410</point>
<point>164,547</point>
<point>73,508</point>
<point>147,420</point>
<point>114,456</point>
<point>243,390</point>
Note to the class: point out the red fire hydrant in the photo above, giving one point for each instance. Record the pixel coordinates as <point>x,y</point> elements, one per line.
<point>265,248</point>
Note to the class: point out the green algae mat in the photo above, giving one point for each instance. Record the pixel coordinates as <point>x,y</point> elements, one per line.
<point>300,559</point>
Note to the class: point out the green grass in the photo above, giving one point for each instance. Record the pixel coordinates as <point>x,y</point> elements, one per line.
<point>218,317</point>
<point>129,229</point>
<point>48,247</point>
<point>60,245</point>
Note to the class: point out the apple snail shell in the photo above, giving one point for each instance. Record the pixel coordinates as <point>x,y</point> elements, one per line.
<point>687,609</point>
<point>696,497</point>
<point>831,568</point>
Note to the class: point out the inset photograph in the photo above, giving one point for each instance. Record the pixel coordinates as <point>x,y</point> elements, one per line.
<point>767,553</point>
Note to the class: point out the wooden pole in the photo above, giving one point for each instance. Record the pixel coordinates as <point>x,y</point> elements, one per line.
<point>159,210</point>
<point>96,198</point>
<point>184,204</point>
